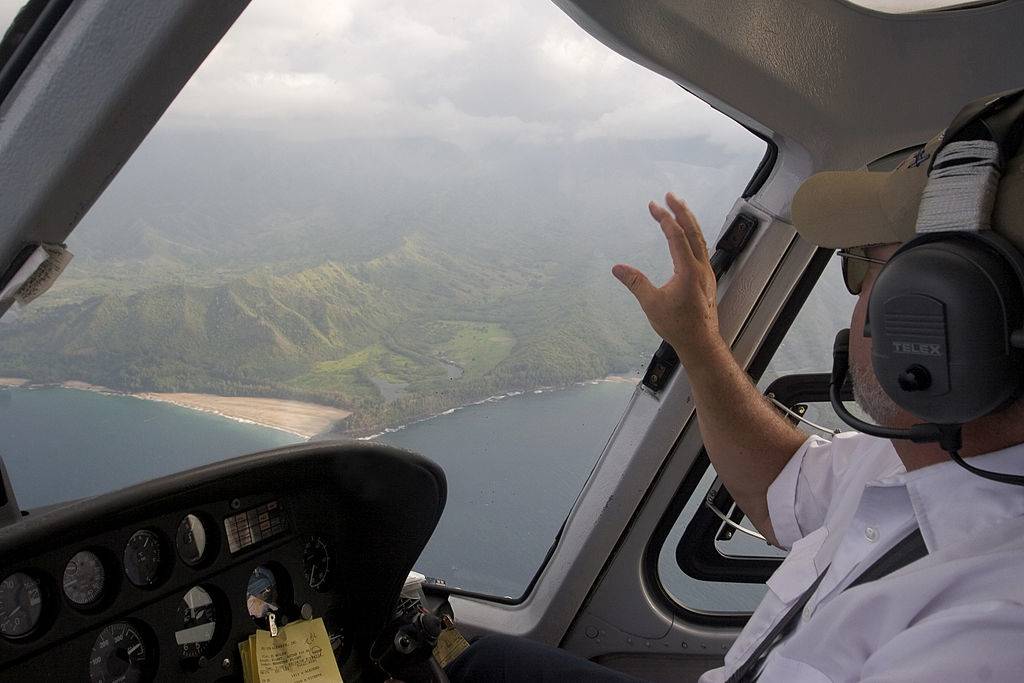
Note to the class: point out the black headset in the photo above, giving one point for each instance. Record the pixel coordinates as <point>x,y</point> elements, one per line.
<point>946,316</point>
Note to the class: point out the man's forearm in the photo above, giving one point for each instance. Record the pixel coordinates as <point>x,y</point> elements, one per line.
<point>747,439</point>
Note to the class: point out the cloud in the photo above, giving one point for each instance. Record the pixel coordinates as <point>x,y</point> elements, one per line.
<point>661,118</point>
<point>517,71</point>
<point>455,70</point>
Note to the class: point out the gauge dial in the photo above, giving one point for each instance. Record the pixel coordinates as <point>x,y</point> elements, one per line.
<point>119,655</point>
<point>197,623</point>
<point>84,578</point>
<point>21,605</point>
<point>191,540</point>
<point>316,563</point>
<point>335,630</point>
<point>261,593</point>
<point>143,557</point>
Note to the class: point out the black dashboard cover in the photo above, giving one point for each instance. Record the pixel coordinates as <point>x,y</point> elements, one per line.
<point>380,503</point>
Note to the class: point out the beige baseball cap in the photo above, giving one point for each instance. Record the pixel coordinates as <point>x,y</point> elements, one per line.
<point>856,208</point>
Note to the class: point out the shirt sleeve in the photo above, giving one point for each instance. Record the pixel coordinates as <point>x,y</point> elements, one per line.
<point>980,642</point>
<point>800,496</point>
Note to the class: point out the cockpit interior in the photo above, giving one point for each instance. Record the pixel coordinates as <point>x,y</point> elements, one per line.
<point>164,578</point>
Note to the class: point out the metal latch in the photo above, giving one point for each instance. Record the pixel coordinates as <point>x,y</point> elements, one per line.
<point>718,491</point>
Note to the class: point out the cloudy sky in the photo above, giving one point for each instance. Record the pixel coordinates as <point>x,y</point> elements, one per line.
<point>464,71</point>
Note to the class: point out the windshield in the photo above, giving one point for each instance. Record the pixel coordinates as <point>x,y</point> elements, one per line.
<point>8,10</point>
<point>374,220</point>
<point>910,6</point>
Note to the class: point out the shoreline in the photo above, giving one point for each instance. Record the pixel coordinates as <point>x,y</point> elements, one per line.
<point>298,418</point>
<point>611,379</point>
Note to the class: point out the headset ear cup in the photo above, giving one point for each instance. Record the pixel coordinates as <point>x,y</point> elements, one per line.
<point>1015,313</point>
<point>941,315</point>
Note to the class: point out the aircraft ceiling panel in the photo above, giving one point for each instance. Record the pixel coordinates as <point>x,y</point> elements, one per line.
<point>846,84</point>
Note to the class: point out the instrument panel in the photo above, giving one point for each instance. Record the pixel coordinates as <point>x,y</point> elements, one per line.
<point>169,591</point>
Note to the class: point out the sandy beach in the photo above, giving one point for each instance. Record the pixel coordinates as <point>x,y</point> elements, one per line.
<point>633,378</point>
<point>297,417</point>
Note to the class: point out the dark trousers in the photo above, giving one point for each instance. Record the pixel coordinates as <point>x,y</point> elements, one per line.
<point>506,659</point>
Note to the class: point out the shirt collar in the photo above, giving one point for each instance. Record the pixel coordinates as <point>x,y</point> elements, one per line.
<point>951,504</point>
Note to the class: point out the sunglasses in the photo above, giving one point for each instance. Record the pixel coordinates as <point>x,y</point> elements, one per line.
<point>855,268</point>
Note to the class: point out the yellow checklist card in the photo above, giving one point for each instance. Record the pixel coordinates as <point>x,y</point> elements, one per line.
<point>450,645</point>
<point>300,653</point>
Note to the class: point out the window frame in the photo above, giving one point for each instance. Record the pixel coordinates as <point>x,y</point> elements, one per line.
<point>771,153</point>
<point>951,6</point>
<point>759,363</point>
<point>761,174</point>
<point>20,41</point>
<point>764,167</point>
<point>697,553</point>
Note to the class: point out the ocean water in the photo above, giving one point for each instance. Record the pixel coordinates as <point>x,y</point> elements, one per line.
<point>514,469</point>
<point>514,465</point>
<point>60,444</point>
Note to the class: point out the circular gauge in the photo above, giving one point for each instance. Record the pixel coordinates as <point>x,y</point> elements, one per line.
<point>261,593</point>
<point>191,540</point>
<point>84,577</point>
<point>21,605</point>
<point>316,563</point>
<point>142,558</point>
<point>197,623</point>
<point>119,655</point>
<point>335,630</point>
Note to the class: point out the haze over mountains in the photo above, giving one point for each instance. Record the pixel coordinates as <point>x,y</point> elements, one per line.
<point>395,277</point>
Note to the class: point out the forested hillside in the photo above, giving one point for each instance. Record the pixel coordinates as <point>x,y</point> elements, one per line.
<point>428,331</point>
<point>394,278</point>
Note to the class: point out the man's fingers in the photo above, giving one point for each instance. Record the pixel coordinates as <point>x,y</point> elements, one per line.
<point>678,246</point>
<point>688,224</point>
<point>636,282</point>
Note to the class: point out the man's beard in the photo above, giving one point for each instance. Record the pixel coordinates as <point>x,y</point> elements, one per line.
<point>871,397</point>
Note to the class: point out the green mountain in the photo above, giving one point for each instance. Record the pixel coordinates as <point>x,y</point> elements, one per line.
<point>408,333</point>
<point>393,277</point>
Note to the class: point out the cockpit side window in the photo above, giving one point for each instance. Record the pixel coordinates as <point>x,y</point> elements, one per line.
<point>804,350</point>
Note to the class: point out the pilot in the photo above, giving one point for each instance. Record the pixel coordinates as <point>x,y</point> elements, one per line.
<point>902,564</point>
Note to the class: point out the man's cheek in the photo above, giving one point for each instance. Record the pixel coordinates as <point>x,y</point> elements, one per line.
<point>860,346</point>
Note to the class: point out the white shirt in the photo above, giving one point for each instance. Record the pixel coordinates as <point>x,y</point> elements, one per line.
<point>955,615</point>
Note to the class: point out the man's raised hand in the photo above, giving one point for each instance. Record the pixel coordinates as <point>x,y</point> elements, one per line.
<point>683,311</point>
